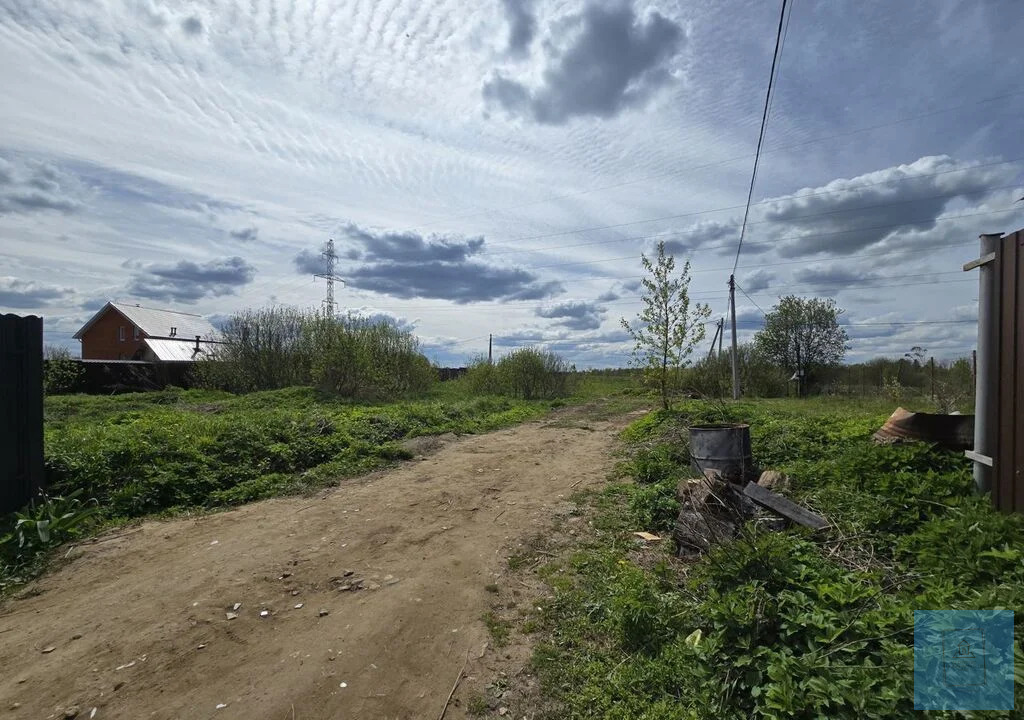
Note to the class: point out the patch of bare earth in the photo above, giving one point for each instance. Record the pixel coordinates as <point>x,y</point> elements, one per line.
<point>365,603</point>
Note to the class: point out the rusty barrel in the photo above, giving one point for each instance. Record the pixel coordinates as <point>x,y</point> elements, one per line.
<point>722,449</point>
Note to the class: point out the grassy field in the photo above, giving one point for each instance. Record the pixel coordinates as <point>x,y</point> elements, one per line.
<point>142,454</point>
<point>774,624</point>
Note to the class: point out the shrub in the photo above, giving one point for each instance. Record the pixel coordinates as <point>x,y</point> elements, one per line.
<point>61,372</point>
<point>531,374</point>
<point>280,347</point>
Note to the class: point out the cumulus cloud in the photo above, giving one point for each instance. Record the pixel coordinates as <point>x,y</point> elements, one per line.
<point>701,234</point>
<point>522,26</point>
<point>757,280</point>
<point>19,294</point>
<point>186,281</point>
<point>575,315</point>
<point>614,61</point>
<point>608,296</point>
<point>848,215</point>
<point>34,186</point>
<point>409,265</point>
<point>247,233</point>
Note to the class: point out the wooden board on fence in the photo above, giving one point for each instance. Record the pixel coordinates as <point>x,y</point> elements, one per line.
<point>784,507</point>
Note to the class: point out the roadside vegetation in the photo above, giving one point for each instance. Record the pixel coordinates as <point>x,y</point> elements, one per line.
<point>772,624</point>
<point>110,459</point>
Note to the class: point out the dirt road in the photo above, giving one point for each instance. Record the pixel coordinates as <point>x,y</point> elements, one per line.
<point>138,626</point>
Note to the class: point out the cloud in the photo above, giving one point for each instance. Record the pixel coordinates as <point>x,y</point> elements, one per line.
<point>701,234</point>
<point>614,61</point>
<point>192,25</point>
<point>832,276</point>
<point>845,216</point>
<point>575,315</point>
<point>34,186</point>
<point>247,233</point>
<point>408,265</point>
<point>308,262</point>
<point>522,26</point>
<point>187,281</point>
<point>15,293</point>
<point>757,280</point>
<point>608,296</point>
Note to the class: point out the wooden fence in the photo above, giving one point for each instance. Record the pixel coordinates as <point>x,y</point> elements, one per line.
<point>21,410</point>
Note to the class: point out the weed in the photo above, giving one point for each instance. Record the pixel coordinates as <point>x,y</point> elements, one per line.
<point>498,627</point>
<point>477,705</point>
<point>774,625</point>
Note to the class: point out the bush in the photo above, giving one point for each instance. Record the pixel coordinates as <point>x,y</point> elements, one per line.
<point>531,374</point>
<point>61,372</point>
<point>280,347</point>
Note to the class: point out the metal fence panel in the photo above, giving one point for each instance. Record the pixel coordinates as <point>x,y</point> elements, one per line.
<point>21,410</point>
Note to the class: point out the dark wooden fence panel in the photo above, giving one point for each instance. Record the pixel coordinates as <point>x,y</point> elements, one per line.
<point>1008,480</point>
<point>21,410</point>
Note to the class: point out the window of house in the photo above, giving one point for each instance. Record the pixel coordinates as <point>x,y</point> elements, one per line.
<point>137,333</point>
<point>120,333</point>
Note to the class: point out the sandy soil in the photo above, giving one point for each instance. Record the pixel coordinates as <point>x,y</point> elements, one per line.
<point>373,593</point>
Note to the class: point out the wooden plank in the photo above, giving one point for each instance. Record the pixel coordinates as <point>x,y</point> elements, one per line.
<point>1018,375</point>
<point>983,260</point>
<point>978,457</point>
<point>784,507</point>
<point>1002,493</point>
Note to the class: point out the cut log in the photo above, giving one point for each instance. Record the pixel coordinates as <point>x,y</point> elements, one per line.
<point>773,480</point>
<point>784,507</point>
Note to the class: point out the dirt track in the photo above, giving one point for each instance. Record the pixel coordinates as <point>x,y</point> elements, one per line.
<point>139,627</point>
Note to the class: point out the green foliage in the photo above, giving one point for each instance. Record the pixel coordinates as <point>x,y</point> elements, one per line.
<point>150,452</point>
<point>776,624</point>
<point>666,331</point>
<point>61,372</point>
<point>46,522</point>
<point>530,373</point>
<point>279,347</point>
<point>802,334</point>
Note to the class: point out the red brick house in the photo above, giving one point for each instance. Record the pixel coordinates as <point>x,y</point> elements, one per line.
<point>130,332</point>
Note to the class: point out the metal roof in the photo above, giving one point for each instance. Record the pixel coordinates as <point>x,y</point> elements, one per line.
<point>158,323</point>
<point>177,350</point>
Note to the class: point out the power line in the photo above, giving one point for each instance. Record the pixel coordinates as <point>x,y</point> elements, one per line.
<point>760,137</point>
<point>751,299</point>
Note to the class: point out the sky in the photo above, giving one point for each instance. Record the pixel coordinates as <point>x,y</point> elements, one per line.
<point>498,167</point>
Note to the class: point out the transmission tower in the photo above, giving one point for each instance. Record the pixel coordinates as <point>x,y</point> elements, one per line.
<point>330,259</point>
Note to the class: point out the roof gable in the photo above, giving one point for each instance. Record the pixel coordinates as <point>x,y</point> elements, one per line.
<point>156,323</point>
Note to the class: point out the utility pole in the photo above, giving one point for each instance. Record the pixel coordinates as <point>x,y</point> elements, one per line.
<point>330,258</point>
<point>715,339</point>
<point>721,334</point>
<point>735,359</point>
<point>490,349</point>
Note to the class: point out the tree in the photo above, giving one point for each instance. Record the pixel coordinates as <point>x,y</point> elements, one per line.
<point>802,334</point>
<point>667,329</point>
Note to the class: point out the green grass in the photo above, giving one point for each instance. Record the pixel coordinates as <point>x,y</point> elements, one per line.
<point>147,453</point>
<point>157,453</point>
<point>774,624</point>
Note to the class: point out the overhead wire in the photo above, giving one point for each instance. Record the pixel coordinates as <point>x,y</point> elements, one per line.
<point>760,137</point>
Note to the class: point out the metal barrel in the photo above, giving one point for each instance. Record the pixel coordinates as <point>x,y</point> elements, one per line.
<point>722,449</point>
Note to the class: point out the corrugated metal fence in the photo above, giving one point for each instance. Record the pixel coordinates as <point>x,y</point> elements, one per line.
<point>21,410</point>
<point>1008,470</point>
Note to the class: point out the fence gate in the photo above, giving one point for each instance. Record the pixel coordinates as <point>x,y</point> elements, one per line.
<point>21,410</point>
<point>1008,472</point>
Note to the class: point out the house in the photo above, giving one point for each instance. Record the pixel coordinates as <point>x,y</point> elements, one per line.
<point>120,331</point>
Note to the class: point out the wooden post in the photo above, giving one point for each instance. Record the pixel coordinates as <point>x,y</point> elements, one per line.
<point>931,363</point>
<point>21,410</point>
